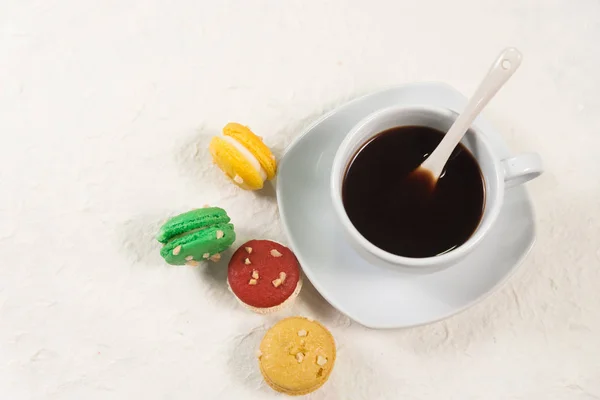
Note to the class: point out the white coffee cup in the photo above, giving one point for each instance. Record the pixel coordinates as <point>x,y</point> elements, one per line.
<point>499,174</point>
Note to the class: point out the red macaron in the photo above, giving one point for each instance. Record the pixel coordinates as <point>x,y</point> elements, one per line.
<point>264,275</point>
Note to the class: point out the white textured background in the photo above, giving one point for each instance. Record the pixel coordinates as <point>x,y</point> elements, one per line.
<point>106,108</point>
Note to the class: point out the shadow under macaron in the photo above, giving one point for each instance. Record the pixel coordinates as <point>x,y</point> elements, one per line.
<point>137,237</point>
<point>310,303</point>
<point>242,359</point>
<point>193,156</point>
<point>267,192</point>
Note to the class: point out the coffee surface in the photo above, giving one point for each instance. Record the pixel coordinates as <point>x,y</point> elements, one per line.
<point>400,211</point>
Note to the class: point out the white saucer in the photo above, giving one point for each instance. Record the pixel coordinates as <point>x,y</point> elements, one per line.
<point>379,297</point>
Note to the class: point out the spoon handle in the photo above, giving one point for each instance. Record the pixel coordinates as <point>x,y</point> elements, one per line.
<point>505,65</point>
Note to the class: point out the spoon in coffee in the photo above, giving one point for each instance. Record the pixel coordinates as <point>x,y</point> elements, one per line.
<point>505,65</point>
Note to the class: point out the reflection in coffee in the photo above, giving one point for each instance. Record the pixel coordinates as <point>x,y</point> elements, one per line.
<point>399,213</point>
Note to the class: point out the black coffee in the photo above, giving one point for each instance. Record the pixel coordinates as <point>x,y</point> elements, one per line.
<point>399,212</point>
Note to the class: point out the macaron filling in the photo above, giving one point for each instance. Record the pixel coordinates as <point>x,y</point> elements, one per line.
<point>247,154</point>
<point>187,233</point>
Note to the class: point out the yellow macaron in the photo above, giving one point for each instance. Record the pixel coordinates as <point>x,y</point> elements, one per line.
<point>297,356</point>
<point>244,158</point>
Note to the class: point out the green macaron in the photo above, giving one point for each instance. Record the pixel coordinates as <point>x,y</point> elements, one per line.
<point>195,236</point>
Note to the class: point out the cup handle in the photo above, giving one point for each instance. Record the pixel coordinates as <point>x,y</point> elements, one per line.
<point>521,169</point>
